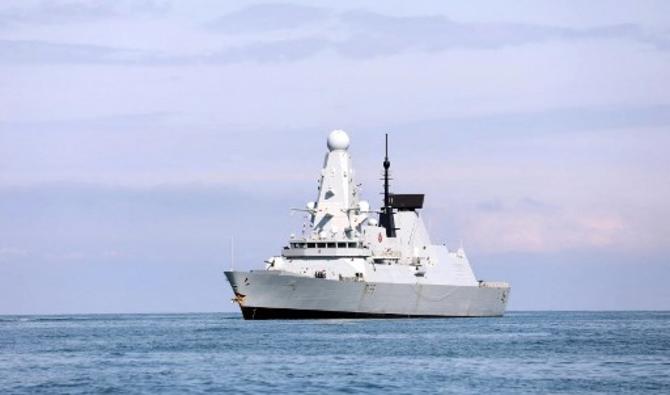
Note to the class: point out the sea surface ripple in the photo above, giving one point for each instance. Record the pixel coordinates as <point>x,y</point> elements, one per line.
<point>522,352</point>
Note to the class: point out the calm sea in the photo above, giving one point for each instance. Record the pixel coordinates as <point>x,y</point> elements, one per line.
<point>538,352</point>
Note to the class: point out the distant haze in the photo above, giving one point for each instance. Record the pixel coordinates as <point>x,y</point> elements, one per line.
<point>138,137</point>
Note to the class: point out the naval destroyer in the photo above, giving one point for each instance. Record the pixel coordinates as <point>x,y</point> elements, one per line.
<point>353,262</point>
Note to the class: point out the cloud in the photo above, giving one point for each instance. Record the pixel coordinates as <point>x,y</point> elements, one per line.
<point>38,52</point>
<point>60,12</point>
<point>286,33</point>
<point>11,253</point>
<point>526,230</point>
<point>116,122</point>
<point>492,205</point>
<point>526,204</point>
<point>269,52</point>
<point>268,17</point>
<point>68,221</point>
<point>158,147</point>
<point>363,34</point>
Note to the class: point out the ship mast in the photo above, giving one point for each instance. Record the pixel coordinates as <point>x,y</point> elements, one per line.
<point>386,216</point>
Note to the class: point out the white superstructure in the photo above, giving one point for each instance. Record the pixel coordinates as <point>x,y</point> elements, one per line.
<point>347,263</point>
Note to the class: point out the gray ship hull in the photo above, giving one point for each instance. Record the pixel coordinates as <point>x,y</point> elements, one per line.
<point>277,295</point>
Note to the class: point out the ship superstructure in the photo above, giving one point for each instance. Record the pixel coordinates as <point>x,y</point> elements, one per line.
<point>348,263</point>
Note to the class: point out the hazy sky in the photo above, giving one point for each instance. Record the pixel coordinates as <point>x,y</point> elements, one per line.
<point>137,137</point>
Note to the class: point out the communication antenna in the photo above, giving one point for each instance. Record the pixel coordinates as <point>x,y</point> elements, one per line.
<point>387,164</point>
<point>386,216</point>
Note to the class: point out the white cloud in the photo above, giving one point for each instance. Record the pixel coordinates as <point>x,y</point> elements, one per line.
<point>11,253</point>
<point>29,12</point>
<point>519,231</point>
<point>353,34</point>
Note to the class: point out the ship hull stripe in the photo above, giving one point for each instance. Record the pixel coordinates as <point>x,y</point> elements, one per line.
<point>264,313</point>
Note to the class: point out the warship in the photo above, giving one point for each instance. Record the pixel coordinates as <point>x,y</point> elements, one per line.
<point>353,262</point>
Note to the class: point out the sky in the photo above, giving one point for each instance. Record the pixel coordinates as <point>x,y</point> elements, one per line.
<point>137,138</point>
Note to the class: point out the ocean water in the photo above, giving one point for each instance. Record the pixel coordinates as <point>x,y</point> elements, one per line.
<point>523,352</point>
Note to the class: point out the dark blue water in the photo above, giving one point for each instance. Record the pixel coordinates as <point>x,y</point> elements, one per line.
<point>557,352</point>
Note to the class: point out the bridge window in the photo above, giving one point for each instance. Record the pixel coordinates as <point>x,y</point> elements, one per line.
<point>311,245</point>
<point>353,245</point>
<point>331,245</point>
<point>341,245</point>
<point>320,245</point>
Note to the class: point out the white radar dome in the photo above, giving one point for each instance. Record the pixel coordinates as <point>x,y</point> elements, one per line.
<point>338,140</point>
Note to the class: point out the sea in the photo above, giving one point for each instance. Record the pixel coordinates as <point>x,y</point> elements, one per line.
<point>522,352</point>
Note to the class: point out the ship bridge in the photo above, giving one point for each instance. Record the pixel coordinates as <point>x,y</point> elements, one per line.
<point>321,249</point>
